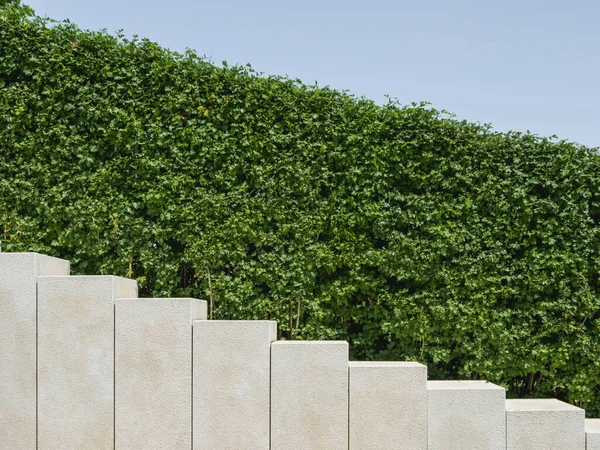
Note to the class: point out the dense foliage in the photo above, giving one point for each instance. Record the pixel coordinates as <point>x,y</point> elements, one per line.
<point>408,233</point>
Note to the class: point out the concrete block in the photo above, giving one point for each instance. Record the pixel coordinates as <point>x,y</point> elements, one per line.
<point>466,415</point>
<point>546,424</point>
<point>153,372</point>
<point>18,312</point>
<point>309,395</point>
<point>232,362</point>
<point>592,434</point>
<point>388,406</point>
<point>76,360</point>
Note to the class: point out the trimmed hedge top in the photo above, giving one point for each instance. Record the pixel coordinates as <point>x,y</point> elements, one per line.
<point>408,233</point>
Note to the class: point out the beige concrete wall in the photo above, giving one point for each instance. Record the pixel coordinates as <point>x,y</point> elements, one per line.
<point>309,395</point>
<point>546,424</point>
<point>76,360</point>
<point>153,372</point>
<point>466,415</point>
<point>388,406</point>
<point>232,361</point>
<point>187,383</point>
<point>592,434</point>
<point>18,340</point>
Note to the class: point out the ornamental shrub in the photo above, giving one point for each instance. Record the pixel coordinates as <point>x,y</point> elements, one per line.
<point>409,233</point>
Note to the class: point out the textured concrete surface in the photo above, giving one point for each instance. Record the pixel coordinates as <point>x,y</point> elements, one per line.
<point>18,310</point>
<point>544,424</point>
<point>466,415</point>
<point>76,360</point>
<point>388,406</point>
<point>309,395</point>
<point>153,372</point>
<point>232,361</point>
<point>592,434</point>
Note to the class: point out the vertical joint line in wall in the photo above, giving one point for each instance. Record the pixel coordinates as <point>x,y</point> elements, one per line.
<point>192,388</point>
<point>115,375</point>
<point>37,293</point>
<point>348,407</point>
<point>270,387</point>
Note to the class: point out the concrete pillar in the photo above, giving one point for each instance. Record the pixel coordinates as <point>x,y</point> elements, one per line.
<point>592,434</point>
<point>153,372</point>
<point>466,415</point>
<point>388,405</point>
<point>232,362</point>
<point>18,312</point>
<point>546,424</point>
<point>309,395</point>
<point>76,360</point>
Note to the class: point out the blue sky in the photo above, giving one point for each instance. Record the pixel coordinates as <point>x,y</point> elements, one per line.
<point>519,65</point>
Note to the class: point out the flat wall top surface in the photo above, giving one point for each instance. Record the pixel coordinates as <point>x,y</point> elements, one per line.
<point>48,266</point>
<point>197,308</point>
<point>544,404</point>
<point>75,284</point>
<point>34,263</point>
<point>278,343</point>
<point>592,425</point>
<point>401,364</point>
<point>467,384</point>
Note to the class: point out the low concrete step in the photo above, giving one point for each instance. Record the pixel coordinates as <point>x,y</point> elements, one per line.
<point>232,364</point>
<point>592,434</point>
<point>388,405</point>
<point>309,395</point>
<point>466,415</point>
<point>547,424</point>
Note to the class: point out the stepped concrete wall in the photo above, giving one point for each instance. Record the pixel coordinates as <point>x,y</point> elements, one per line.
<point>85,364</point>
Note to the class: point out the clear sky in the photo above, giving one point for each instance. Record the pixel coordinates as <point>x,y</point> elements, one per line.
<point>519,65</point>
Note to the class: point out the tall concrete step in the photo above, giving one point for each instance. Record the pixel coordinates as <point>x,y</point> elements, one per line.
<point>76,341</point>
<point>547,424</point>
<point>153,372</point>
<point>309,395</point>
<point>232,364</point>
<point>388,406</point>
<point>19,274</point>
<point>466,415</point>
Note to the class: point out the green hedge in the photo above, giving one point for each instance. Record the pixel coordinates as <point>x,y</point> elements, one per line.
<point>409,233</point>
